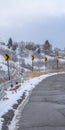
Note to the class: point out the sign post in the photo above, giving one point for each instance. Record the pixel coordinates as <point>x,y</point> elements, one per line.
<point>8,69</point>
<point>32,61</point>
<point>39,54</point>
<point>57,62</point>
<point>46,60</point>
<point>7,58</point>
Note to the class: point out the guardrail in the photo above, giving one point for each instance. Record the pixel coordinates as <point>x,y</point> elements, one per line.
<point>2,93</point>
<point>7,84</point>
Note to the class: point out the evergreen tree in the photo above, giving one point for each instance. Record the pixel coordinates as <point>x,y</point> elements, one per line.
<point>10,42</point>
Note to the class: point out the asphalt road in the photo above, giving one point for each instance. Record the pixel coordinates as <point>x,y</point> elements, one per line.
<point>45,109</point>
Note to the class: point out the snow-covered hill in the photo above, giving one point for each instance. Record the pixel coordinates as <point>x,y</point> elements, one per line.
<point>21,61</point>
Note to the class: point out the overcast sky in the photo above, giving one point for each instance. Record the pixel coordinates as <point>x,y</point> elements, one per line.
<point>33,20</point>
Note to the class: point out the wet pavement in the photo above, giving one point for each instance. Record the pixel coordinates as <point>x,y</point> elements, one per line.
<point>45,109</point>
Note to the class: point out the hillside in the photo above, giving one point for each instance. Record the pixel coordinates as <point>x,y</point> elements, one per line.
<point>21,62</point>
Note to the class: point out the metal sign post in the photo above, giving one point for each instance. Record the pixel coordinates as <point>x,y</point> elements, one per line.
<point>39,54</point>
<point>57,62</point>
<point>8,69</point>
<point>46,60</point>
<point>32,65</point>
<point>32,61</point>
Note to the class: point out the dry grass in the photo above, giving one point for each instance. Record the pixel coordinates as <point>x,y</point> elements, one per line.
<point>34,73</point>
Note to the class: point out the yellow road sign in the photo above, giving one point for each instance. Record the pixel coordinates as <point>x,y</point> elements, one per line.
<point>33,57</point>
<point>45,59</point>
<point>57,61</point>
<point>7,57</point>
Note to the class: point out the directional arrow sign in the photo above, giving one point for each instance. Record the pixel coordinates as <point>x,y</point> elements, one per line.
<point>57,61</point>
<point>45,59</point>
<point>7,57</point>
<point>32,57</point>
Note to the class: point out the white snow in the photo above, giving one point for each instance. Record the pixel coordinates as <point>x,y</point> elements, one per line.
<point>61,60</point>
<point>2,63</point>
<point>28,85</point>
<point>28,60</point>
<point>3,47</point>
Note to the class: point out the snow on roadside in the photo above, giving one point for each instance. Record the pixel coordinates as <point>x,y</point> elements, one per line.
<point>28,85</point>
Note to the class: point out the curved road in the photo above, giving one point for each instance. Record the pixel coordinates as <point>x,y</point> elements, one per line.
<point>45,109</point>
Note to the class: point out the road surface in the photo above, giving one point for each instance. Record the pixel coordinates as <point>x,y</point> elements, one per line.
<point>45,109</point>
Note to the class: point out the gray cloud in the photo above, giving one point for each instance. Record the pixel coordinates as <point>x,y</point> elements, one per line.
<point>34,20</point>
<point>19,11</point>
